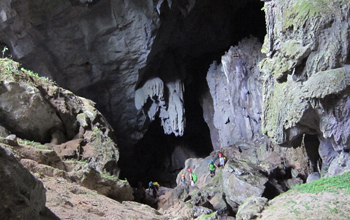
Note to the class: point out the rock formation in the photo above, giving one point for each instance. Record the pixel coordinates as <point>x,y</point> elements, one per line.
<point>306,74</point>
<point>38,110</point>
<point>235,91</point>
<point>22,195</point>
<point>61,126</point>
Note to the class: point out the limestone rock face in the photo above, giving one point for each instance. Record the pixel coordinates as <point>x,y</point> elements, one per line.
<point>36,109</point>
<point>22,195</point>
<point>95,48</point>
<point>236,95</point>
<point>24,111</point>
<point>306,74</point>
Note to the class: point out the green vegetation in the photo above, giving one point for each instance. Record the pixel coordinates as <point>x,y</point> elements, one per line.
<point>9,70</point>
<point>189,205</point>
<point>3,51</point>
<point>330,184</point>
<point>108,177</point>
<point>333,210</point>
<point>76,161</point>
<point>307,207</point>
<point>208,216</point>
<point>217,179</point>
<point>34,144</point>
<point>296,212</point>
<point>303,10</point>
<point>30,73</point>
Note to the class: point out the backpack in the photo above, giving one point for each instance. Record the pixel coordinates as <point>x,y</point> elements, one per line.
<point>194,177</point>
<point>225,159</point>
<point>156,184</point>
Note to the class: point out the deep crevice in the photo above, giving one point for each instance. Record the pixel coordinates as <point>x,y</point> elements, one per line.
<point>311,146</point>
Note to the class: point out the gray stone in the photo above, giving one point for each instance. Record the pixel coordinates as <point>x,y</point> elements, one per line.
<point>26,112</point>
<point>241,180</point>
<point>11,140</point>
<point>199,210</point>
<point>340,164</point>
<point>4,132</point>
<point>236,98</point>
<point>313,176</point>
<point>22,195</point>
<point>251,208</point>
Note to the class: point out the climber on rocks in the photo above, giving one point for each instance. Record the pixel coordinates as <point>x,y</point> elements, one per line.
<point>212,167</point>
<point>193,176</point>
<point>222,160</point>
<point>153,187</point>
<point>182,180</point>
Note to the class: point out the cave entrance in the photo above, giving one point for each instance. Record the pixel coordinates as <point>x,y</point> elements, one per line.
<point>184,48</point>
<point>159,157</point>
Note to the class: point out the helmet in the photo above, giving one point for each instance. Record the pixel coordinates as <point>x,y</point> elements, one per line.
<point>211,161</point>
<point>150,183</point>
<point>220,154</point>
<point>189,170</point>
<point>182,174</point>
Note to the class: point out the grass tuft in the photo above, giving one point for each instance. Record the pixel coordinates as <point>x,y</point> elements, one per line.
<point>329,184</point>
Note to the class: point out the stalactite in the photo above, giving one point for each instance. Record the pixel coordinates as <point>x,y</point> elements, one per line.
<point>171,113</point>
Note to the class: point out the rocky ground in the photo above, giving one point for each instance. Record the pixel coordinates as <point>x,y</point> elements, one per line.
<point>72,201</point>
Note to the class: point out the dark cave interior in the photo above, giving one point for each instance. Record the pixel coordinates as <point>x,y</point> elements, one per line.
<point>312,144</point>
<point>190,44</point>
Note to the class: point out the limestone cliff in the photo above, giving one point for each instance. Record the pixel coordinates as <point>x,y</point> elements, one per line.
<point>306,75</point>
<point>235,89</point>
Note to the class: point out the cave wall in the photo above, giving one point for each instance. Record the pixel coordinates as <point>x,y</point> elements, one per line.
<point>93,48</point>
<point>234,107</point>
<point>306,74</point>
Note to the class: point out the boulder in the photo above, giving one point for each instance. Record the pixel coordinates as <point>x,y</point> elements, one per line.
<point>313,176</point>
<point>22,195</point>
<point>251,208</point>
<point>36,109</point>
<point>241,180</point>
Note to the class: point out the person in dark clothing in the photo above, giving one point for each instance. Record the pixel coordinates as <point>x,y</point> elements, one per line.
<point>154,187</point>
